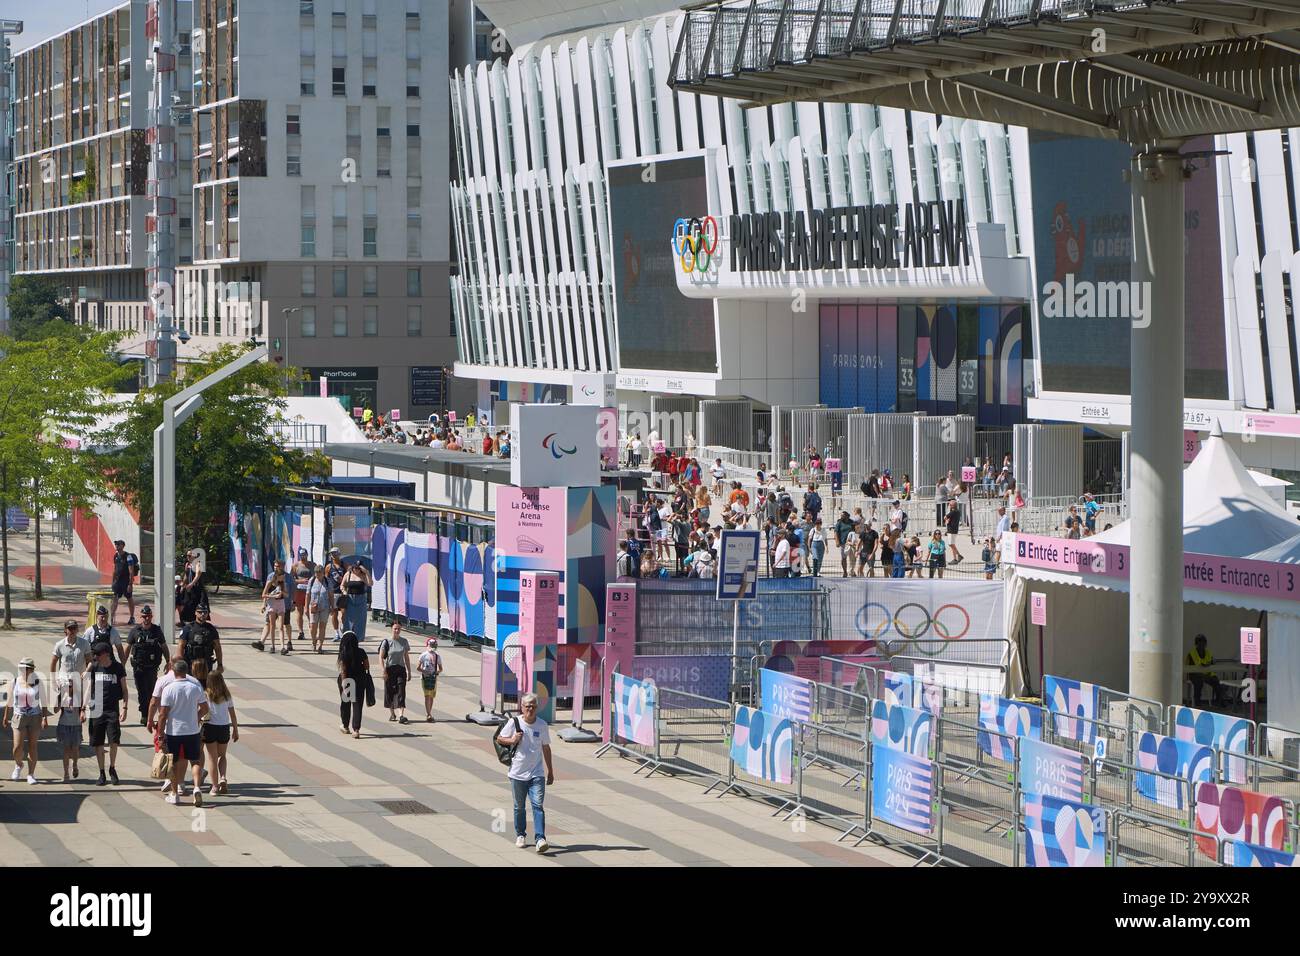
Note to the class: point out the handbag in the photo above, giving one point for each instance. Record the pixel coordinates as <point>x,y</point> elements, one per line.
<point>370,688</point>
<point>505,755</point>
<point>162,762</point>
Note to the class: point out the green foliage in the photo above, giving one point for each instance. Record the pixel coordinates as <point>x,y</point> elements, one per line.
<point>226,452</point>
<point>35,312</point>
<point>50,401</point>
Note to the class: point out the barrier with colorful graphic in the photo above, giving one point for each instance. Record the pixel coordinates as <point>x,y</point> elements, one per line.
<point>901,728</point>
<point>434,578</point>
<point>1000,716</point>
<point>1074,705</point>
<point>784,695</point>
<point>1187,762</point>
<point>1063,833</point>
<point>902,790</point>
<point>1218,731</point>
<point>634,710</point>
<point>1230,813</point>
<point>1237,853</point>
<point>763,746</point>
<point>1050,771</point>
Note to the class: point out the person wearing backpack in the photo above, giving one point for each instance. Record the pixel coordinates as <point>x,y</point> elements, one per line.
<point>146,649</point>
<point>527,739</point>
<point>201,641</point>
<point>126,568</point>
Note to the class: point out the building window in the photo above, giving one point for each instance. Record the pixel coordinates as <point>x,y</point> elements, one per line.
<point>308,281</point>
<point>340,321</point>
<point>413,122</point>
<point>369,79</point>
<point>370,281</point>
<point>307,85</point>
<point>341,283</point>
<point>414,320</point>
<point>370,242</point>
<point>412,78</point>
<point>413,283</point>
<point>340,242</point>
<point>293,160</point>
<point>293,121</point>
<point>412,12</point>
<point>339,80</point>
<point>384,122</point>
<point>413,162</point>
<point>308,249</point>
<point>306,8</point>
<point>412,240</point>
<point>370,320</point>
<point>307,323</point>
<point>338,42</point>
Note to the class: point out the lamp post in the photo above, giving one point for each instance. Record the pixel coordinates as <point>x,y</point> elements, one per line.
<point>176,410</point>
<point>287,312</point>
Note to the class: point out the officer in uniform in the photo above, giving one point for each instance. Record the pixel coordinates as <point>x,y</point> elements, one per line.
<point>200,641</point>
<point>146,647</point>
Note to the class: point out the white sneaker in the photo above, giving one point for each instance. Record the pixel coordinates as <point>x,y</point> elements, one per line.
<point>173,799</point>
<point>30,778</point>
<point>167,785</point>
<point>542,846</point>
<point>521,842</point>
<point>17,774</point>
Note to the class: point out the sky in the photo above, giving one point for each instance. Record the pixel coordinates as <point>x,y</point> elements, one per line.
<point>43,19</point>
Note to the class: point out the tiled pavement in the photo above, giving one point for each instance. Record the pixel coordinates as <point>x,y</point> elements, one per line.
<point>302,793</point>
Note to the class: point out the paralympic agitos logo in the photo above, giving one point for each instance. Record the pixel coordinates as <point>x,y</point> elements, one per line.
<point>695,244</point>
<point>555,448</point>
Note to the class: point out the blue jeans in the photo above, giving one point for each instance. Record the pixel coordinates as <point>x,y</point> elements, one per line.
<point>355,611</point>
<point>535,791</point>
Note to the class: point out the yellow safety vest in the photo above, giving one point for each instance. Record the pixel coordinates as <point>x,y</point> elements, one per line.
<point>1197,659</point>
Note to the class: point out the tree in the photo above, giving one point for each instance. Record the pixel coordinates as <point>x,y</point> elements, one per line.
<point>50,399</point>
<point>36,311</point>
<point>225,453</point>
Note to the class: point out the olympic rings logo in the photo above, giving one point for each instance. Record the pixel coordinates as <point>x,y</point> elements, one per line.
<point>910,627</point>
<point>695,242</point>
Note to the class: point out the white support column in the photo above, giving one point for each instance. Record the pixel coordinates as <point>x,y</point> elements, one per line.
<point>1156,578</point>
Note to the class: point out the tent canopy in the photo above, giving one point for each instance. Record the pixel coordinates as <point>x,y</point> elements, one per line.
<point>1225,511</point>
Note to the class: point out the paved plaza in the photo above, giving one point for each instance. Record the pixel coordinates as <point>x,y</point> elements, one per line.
<point>302,793</point>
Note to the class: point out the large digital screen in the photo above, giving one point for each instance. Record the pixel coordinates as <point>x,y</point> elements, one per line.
<point>1083,239</point>
<point>658,327</point>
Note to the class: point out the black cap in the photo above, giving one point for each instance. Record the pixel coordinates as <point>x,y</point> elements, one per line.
<point>146,609</point>
<point>101,610</point>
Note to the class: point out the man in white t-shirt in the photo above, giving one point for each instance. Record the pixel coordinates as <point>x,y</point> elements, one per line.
<point>184,705</point>
<point>526,780</point>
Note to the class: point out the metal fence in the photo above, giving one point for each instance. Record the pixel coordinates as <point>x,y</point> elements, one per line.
<point>979,816</point>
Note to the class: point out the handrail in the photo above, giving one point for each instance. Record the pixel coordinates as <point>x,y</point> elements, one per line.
<point>390,502</point>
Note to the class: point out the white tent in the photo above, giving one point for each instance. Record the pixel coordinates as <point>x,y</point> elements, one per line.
<point>1225,511</point>
<point>1225,514</point>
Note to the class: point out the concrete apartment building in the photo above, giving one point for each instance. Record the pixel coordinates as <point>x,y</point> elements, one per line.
<point>81,150</point>
<point>314,204</point>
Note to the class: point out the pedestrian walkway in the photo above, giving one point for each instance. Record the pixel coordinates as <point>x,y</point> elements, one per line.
<point>301,793</point>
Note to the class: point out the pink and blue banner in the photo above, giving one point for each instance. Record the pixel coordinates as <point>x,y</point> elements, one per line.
<point>1219,731</point>
<point>763,746</point>
<point>785,695</point>
<point>1002,719</point>
<point>1230,813</point>
<point>434,578</point>
<point>1063,833</point>
<point>1237,853</point>
<point>1074,705</point>
<point>1205,572</point>
<point>634,710</point>
<point>902,790</point>
<point>1183,765</point>
<point>902,728</point>
<point>1050,771</point>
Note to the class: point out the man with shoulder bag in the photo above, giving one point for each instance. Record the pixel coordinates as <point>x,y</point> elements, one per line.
<point>526,740</point>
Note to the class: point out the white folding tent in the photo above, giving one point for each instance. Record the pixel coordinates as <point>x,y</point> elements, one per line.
<point>1225,514</point>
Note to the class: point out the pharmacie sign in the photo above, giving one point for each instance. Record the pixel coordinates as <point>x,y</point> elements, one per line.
<point>881,236</point>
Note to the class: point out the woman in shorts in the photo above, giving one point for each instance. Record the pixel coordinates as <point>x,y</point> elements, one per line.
<point>320,601</point>
<point>430,666</point>
<point>273,601</point>
<point>69,728</point>
<point>938,559</point>
<point>219,730</point>
<point>25,712</point>
<point>989,555</point>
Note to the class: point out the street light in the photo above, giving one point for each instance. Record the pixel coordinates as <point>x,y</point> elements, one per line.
<point>176,410</point>
<point>287,312</point>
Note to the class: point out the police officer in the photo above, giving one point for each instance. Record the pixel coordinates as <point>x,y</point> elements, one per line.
<point>146,646</point>
<point>101,632</point>
<point>200,641</point>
